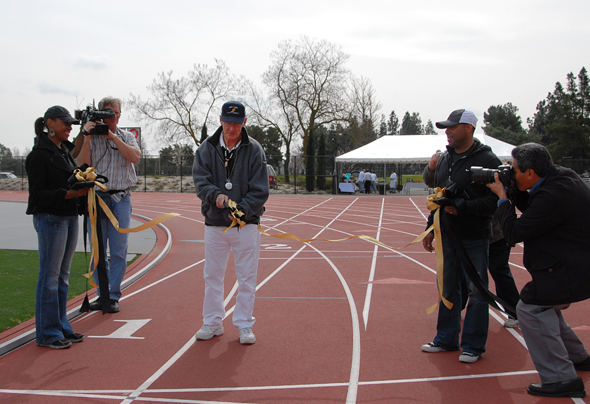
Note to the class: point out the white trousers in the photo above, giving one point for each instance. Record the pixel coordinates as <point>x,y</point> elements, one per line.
<point>245,245</point>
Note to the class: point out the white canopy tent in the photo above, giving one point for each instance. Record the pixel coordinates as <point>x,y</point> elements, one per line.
<point>408,149</point>
<point>414,149</point>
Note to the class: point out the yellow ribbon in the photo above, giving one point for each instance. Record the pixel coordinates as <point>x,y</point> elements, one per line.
<point>294,237</point>
<point>90,175</point>
<point>237,215</point>
<point>438,193</point>
<point>431,205</point>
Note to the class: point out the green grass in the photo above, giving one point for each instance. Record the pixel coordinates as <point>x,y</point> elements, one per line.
<point>19,270</point>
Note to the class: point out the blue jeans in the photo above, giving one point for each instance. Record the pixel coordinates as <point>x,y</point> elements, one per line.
<point>57,236</point>
<point>476,324</point>
<point>117,243</point>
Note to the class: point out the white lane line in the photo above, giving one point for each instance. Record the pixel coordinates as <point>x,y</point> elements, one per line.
<point>418,209</point>
<point>137,392</point>
<point>111,393</point>
<point>369,292</point>
<point>355,366</point>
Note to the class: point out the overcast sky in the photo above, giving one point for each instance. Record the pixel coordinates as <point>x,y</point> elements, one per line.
<point>428,56</point>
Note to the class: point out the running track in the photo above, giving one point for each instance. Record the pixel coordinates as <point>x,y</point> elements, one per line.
<point>323,334</point>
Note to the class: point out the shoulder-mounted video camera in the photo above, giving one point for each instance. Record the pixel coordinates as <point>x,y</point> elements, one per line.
<point>94,115</point>
<point>481,175</point>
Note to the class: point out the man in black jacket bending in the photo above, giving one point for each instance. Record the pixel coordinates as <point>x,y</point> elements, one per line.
<point>554,227</point>
<point>468,213</point>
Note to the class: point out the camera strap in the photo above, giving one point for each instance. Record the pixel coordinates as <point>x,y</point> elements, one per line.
<point>471,271</point>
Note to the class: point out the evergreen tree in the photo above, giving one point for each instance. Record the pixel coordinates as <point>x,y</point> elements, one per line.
<point>503,122</point>
<point>203,133</point>
<point>562,121</point>
<point>382,127</point>
<point>321,180</point>
<point>271,142</point>
<point>429,128</point>
<point>393,124</point>
<point>310,163</point>
<point>411,124</point>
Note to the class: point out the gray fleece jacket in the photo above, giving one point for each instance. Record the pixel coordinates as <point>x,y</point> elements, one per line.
<point>249,178</point>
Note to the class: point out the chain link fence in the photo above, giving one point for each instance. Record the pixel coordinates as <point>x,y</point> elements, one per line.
<point>173,173</point>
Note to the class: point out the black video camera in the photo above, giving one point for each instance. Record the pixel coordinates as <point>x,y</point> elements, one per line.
<point>481,175</point>
<point>93,114</point>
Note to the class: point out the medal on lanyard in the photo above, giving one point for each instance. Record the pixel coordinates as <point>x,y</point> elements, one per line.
<point>228,185</point>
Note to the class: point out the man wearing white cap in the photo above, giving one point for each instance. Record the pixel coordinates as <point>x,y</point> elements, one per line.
<point>467,214</point>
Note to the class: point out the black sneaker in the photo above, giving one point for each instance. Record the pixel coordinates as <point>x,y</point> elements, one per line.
<point>59,344</point>
<point>96,305</point>
<point>114,306</point>
<point>75,337</point>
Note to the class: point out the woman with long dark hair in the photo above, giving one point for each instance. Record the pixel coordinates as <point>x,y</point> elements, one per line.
<point>55,209</point>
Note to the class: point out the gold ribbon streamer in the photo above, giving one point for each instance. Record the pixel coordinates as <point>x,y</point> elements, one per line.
<point>439,193</point>
<point>237,215</point>
<point>294,237</point>
<point>90,175</point>
<point>431,205</point>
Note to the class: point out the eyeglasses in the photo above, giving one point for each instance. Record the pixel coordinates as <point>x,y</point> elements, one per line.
<point>67,123</point>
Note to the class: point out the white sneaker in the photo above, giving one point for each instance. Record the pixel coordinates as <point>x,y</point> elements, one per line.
<point>433,347</point>
<point>247,337</point>
<point>511,323</point>
<point>468,357</point>
<point>209,331</point>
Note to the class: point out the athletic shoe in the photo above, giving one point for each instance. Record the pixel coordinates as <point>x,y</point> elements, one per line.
<point>96,305</point>
<point>247,337</point>
<point>468,357</point>
<point>59,344</point>
<point>75,337</point>
<point>114,306</point>
<point>511,323</point>
<point>209,331</point>
<point>433,347</point>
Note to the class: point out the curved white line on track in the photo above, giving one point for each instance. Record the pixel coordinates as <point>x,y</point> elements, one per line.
<point>355,366</point>
<point>145,385</point>
<point>74,314</point>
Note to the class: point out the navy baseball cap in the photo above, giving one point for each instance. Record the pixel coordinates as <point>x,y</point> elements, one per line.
<point>233,111</point>
<point>458,116</point>
<point>60,112</point>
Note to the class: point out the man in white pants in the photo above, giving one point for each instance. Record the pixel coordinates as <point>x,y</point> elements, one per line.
<point>230,165</point>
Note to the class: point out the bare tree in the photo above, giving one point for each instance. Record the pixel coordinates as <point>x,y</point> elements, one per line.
<point>308,79</point>
<point>180,107</point>
<point>364,108</point>
<point>272,112</point>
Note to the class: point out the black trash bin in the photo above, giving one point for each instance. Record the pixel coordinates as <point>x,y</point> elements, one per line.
<point>382,187</point>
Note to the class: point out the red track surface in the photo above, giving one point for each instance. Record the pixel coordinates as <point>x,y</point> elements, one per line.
<point>323,334</point>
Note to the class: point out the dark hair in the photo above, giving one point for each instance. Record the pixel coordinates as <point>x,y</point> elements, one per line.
<point>533,156</point>
<point>39,126</point>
